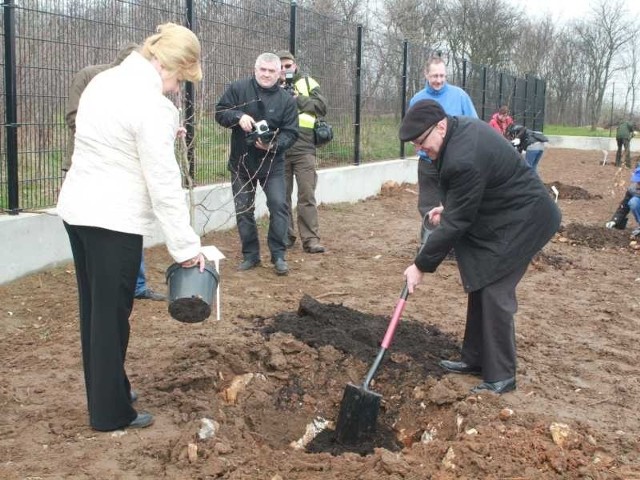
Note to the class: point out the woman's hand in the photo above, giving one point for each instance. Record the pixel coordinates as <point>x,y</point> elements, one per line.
<point>197,260</point>
<point>413,277</point>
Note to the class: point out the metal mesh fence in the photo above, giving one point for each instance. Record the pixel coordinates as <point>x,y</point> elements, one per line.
<point>54,39</point>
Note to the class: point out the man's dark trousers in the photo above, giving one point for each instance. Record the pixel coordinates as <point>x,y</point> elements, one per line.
<point>428,193</point>
<point>243,186</point>
<point>489,337</point>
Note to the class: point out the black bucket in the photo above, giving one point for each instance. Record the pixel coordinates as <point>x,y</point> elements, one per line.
<point>191,292</point>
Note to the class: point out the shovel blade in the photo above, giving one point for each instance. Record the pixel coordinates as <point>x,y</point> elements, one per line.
<point>358,415</point>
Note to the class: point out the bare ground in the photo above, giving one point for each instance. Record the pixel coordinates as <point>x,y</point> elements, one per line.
<point>287,346</point>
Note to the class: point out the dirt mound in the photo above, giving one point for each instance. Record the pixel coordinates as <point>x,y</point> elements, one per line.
<point>596,237</point>
<point>569,192</point>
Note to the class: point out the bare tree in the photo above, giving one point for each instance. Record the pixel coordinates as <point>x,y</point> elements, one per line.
<point>482,31</point>
<point>601,37</point>
<point>631,60</point>
<point>531,52</point>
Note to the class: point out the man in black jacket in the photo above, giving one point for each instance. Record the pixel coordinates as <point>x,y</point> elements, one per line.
<point>497,215</point>
<point>257,155</point>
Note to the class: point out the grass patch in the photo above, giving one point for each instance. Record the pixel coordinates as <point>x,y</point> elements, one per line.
<point>565,130</point>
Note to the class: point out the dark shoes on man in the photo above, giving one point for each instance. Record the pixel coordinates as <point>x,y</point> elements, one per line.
<point>248,264</point>
<point>279,263</point>
<point>312,248</point>
<point>149,294</point>
<point>315,248</point>
<point>281,266</point>
<point>460,367</point>
<point>502,386</point>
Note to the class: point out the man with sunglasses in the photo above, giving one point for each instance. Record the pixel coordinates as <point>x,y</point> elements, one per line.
<point>300,159</point>
<point>497,214</point>
<point>454,101</point>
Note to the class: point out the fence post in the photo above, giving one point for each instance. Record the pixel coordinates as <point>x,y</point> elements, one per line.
<point>189,101</point>
<point>403,107</point>
<point>11,106</point>
<point>356,131</point>
<point>464,75</point>
<point>292,27</point>
<point>535,105</point>
<point>484,92</point>
<point>613,94</point>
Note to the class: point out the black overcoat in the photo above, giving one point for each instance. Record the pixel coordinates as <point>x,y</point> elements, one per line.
<point>497,212</point>
<point>275,106</point>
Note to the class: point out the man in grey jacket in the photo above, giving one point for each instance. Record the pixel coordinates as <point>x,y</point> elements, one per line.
<point>497,215</point>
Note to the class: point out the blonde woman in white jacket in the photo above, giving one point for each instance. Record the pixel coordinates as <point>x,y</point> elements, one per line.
<point>124,176</point>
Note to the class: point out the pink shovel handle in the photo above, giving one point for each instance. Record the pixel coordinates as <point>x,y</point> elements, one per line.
<point>397,313</point>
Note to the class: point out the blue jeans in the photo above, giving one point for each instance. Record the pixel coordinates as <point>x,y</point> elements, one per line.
<point>634,207</point>
<point>141,281</point>
<point>533,158</point>
<point>244,186</point>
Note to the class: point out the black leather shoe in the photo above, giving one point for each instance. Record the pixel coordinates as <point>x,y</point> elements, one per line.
<point>281,266</point>
<point>316,248</point>
<point>501,386</point>
<point>460,367</point>
<point>143,420</point>
<point>248,264</point>
<point>149,294</point>
<point>133,396</point>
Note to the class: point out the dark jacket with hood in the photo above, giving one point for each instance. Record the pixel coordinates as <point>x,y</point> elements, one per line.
<point>275,106</point>
<point>497,212</point>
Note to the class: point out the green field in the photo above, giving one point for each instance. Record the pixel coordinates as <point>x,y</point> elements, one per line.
<point>564,130</point>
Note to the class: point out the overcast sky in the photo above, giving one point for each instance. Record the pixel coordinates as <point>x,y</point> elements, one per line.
<point>568,9</point>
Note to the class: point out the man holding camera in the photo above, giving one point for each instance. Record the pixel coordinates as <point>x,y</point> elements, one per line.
<point>300,160</point>
<point>264,123</point>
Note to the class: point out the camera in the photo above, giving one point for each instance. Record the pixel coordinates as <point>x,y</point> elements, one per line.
<point>288,83</point>
<point>261,127</point>
<point>260,131</point>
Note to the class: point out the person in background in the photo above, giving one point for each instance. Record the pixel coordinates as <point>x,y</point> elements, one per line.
<point>124,142</point>
<point>501,120</point>
<point>528,141</point>
<point>630,203</point>
<point>300,159</point>
<point>78,84</point>
<point>257,156</point>
<point>454,101</point>
<point>624,134</point>
<point>496,214</point>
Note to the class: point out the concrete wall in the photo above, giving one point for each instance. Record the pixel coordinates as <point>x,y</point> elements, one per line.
<point>30,242</point>
<point>589,143</point>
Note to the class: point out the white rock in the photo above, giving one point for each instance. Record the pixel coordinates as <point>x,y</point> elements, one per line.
<point>447,461</point>
<point>208,428</point>
<point>316,426</point>
<point>559,433</point>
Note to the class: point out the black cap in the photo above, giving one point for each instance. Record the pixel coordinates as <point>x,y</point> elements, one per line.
<point>420,117</point>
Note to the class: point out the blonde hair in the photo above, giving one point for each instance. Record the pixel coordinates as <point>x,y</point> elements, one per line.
<point>177,49</point>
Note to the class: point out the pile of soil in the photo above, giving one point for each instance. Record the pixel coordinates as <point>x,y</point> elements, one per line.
<point>256,395</point>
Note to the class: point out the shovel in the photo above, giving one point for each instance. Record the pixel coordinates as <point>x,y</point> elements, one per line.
<point>360,406</point>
